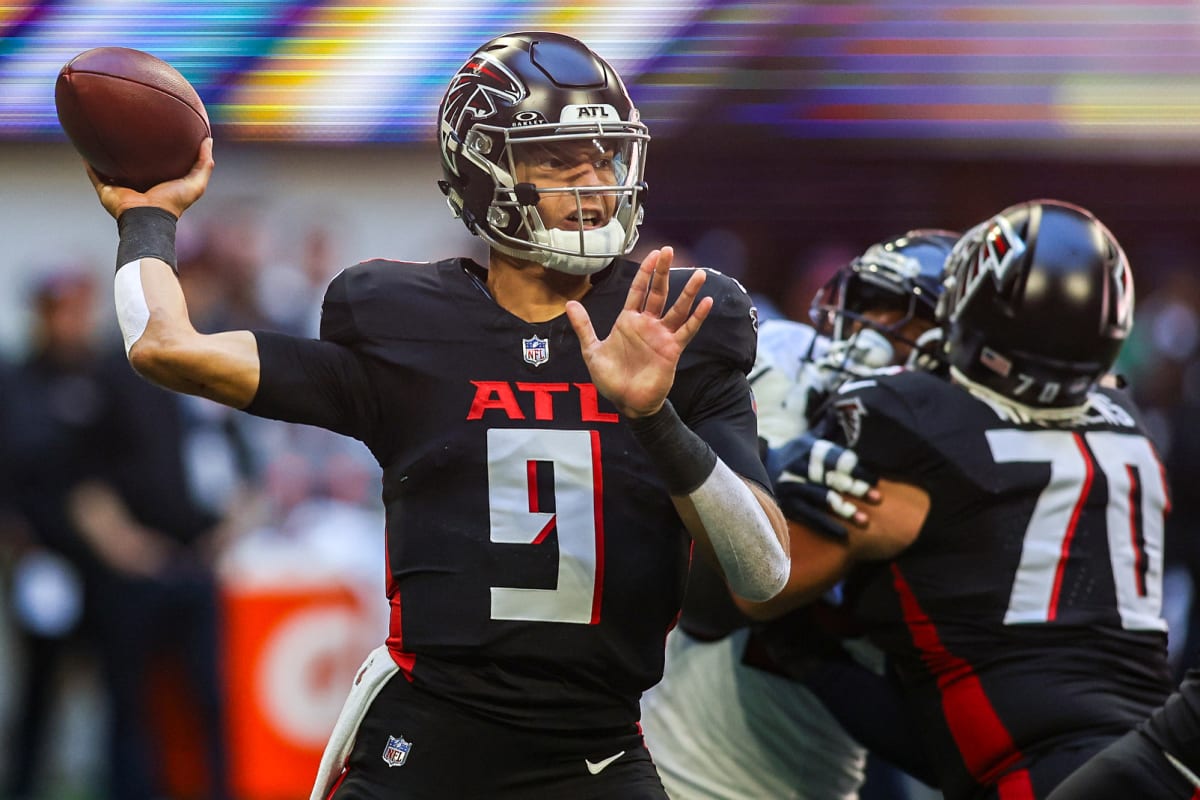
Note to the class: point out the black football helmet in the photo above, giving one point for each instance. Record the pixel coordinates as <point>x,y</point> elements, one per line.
<point>516,96</point>
<point>1038,301</point>
<point>903,273</point>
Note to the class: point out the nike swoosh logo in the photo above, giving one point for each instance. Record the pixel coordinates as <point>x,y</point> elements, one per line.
<point>597,767</point>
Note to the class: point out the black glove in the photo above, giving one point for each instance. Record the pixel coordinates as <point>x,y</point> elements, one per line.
<point>809,476</point>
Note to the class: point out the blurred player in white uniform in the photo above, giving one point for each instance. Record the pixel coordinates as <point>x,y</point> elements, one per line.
<point>728,721</point>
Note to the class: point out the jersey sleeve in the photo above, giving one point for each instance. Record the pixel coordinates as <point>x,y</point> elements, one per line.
<point>337,309</point>
<point>711,391</point>
<point>313,383</point>
<point>730,334</point>
<point>878,418</point>
<point>322,383</point>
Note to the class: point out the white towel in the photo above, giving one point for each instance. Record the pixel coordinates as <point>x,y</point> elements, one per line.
<point>372,676</point>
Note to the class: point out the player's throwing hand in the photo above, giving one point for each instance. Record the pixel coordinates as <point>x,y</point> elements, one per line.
<point>174,196</point>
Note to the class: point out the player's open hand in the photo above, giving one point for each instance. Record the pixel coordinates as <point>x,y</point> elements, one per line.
<point>635,366</point>
<point>174,196</point>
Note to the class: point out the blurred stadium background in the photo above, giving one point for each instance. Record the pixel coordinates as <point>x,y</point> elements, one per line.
<point>787,136</point>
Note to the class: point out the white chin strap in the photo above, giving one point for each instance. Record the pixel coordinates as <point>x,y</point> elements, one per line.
<point>609,239</point>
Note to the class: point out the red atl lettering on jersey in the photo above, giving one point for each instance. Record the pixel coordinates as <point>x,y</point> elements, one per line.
<point>543,397</point>
<point>506,398</point>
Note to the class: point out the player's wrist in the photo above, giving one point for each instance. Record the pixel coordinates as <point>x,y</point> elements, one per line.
<point>146,232</point>
<point>140,201</point>
<point>682,458</point>
<point>630,413</point>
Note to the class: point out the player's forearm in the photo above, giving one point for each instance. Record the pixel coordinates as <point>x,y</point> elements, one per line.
<point>727,519</point>
<point>745,532</point>
<point>160,341</point>
<point>740,531</point>
<point>817,564</point>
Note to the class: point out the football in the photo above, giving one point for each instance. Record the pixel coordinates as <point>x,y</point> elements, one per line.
<point>131,115</point>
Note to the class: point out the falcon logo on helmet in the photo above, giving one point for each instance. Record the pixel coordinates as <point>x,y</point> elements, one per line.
<point>999,249</point>
<point>477,87</point>
<point>1121,314</point>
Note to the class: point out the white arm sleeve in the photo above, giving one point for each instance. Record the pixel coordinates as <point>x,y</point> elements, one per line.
<point>741,535</point>
<point>132,312</point>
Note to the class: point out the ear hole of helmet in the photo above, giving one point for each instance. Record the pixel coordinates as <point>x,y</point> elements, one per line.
<point>479,142</point>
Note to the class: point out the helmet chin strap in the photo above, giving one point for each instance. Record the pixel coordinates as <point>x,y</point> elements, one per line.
<point>609,239</point>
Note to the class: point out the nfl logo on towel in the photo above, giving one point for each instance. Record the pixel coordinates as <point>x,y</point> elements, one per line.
<point>396,752</point>
<point>537,350</point>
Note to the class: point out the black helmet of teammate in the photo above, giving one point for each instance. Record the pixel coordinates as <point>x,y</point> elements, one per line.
<point>903,273</point>
<point>1038,301</point>
<point>516,96</point>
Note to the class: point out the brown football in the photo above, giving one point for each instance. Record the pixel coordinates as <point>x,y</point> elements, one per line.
<point>132,116</point>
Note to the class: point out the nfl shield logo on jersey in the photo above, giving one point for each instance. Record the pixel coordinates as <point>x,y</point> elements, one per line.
<point>396,752</point>
<point>537,350</point>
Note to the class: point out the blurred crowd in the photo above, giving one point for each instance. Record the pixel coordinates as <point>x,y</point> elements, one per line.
<point>124,508</point>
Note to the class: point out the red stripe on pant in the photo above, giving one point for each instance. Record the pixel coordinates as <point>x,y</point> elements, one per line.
<point>337,783</point>
<point>1016,785</point>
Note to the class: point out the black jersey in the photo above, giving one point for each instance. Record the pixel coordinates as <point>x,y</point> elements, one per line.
<point>535,560</point>
<point>1027,613</point>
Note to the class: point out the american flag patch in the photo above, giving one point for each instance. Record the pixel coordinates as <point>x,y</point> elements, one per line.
<point>995,362</point>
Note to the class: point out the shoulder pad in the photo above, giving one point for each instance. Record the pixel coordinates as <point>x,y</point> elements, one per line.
<point>784,344</point>
<point>1113,407</point>
<point>886,416</point>
<point>370,296</point>
<point>730,333</point>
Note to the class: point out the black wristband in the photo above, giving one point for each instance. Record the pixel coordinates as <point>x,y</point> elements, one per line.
<point>682,458</point>
<point>146,231</point>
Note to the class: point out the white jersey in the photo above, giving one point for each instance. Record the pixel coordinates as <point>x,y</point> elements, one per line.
<point>779,384</point>
<point>717,728</point>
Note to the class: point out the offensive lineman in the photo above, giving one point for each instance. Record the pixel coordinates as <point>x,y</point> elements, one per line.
<point>1013,573</point>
